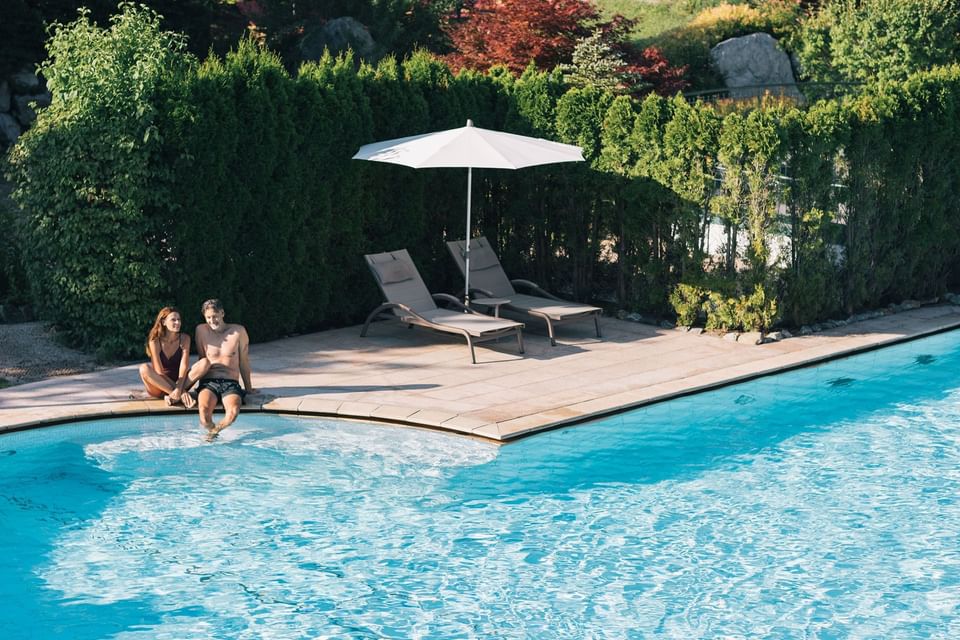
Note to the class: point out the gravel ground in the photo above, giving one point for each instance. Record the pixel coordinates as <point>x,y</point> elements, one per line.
<point>29,351</point>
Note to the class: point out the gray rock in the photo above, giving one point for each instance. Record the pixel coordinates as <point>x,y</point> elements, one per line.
<point>775,336</point>
<point>751,337</point>
<point>12,314</point>
<point>785,334</point>
<point>4,96</point>
<point>867,315</point>
<point>24,111</point>
<point>730,337</point>
<point>666,324</point>
<point>696,330</point>
<point>621,314</point>
<point>682,327</point>
<point>805,330</point>
<point>907,305</point>
<point>25,81</point>
<point>339,35</point>
<point>635,317</point>
<point>9,129</point>
<point>753,60</point>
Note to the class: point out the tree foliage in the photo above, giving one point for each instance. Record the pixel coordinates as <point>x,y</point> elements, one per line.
<point>153,179</point>
<point>88,178</point>
<point>516,32</point>
<point>597,64</point>
<point>865,40</point>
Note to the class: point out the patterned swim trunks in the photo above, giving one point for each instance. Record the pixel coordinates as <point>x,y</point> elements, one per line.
<point>221,387</point>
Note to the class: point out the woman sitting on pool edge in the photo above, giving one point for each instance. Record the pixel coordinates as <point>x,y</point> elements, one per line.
<point>169,352</point>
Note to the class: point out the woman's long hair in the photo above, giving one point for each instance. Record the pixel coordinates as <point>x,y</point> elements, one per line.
<point>158,331</point>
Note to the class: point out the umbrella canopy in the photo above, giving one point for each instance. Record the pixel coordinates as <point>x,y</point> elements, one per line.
<point>469,147</point>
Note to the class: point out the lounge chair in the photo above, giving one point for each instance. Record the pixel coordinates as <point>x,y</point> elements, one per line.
<point>487,278</point>
<point>409,300</point>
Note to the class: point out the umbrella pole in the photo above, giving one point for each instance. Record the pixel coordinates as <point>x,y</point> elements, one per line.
<point>466,252</point>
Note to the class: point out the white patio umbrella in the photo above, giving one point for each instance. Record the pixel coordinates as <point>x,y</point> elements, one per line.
<point>469,147</point>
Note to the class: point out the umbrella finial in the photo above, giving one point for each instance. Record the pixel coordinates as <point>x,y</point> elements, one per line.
<point>469,122</point>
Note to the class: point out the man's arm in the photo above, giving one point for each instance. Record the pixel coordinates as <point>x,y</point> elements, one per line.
<point>201,343</point>
<point>245,360</point>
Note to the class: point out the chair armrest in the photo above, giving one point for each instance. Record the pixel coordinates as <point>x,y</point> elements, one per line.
<point>450,300</point>
<point>455,303</point>
<point>535,289</point>
<point>483,292</point>
<point>401,306</point>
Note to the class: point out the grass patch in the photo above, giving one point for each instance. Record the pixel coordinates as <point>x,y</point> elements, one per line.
<point>653,17</point>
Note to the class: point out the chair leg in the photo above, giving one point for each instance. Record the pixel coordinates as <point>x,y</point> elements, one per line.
<point>473,356</point>
<point>596,321</point>
<point>520,339</point>
<point>373,314</point>
<point>366,325</point>
<point>553,341</point>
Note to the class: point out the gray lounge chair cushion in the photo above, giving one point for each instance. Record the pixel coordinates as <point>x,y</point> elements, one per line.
<point>482,257</point>
<point>558,310</point>
<point>475,324</point>
<point>393,271</point>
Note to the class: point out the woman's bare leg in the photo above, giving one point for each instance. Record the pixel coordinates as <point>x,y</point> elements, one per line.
<point>196,372</point>
<point>157,385</point>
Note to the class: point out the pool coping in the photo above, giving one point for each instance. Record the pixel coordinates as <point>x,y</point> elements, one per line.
<point>823,347</point>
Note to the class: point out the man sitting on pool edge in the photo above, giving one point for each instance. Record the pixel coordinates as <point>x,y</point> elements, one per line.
<point>224,359</point>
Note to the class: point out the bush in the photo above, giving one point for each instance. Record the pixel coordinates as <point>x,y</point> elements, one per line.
<point>869,40</point>
<point>13,280</point>
<point>687,301</point>
<point>88,175</point>
<point>755,312</point>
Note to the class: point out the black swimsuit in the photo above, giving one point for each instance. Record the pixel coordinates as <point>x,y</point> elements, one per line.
<point>170,367</point>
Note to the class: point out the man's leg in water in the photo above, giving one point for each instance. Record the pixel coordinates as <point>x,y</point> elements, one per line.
<point>207,401</point>
<point>231,406</point>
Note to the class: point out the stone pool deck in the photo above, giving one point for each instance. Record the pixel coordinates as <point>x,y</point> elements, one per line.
<point>413,377</point>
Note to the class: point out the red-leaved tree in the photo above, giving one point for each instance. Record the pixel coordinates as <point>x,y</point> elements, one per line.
<point>649,64</point>
<point>514,32</point>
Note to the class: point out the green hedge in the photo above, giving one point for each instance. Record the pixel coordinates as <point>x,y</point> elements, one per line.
<point>156,179</point>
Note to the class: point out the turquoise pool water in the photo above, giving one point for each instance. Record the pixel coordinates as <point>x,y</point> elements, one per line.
<point>822,503</point>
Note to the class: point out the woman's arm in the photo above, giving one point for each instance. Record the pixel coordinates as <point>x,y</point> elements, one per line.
<point>155,356</point>
<point>185,359</point>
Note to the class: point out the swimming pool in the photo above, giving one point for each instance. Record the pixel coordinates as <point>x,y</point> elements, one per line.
<point>821,503</point>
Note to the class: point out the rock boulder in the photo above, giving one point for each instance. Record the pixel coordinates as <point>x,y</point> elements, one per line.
<point>9,129</point>
<point>25,81</point>
<point>24,112</point>
<point>339,35</point>
<point>753,65</point>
